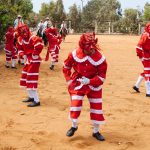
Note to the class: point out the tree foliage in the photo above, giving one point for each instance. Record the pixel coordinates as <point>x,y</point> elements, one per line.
<point>9,9</point>
<point>54,10</point>
<point>100,11</point>
<point>146,15</point>
<point>75,17</point>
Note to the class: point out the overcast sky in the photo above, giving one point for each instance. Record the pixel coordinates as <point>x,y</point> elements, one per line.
<point>67,3</point>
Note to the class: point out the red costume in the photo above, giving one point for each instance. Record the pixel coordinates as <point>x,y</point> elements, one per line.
<point>11,52</point>
<point>89,67</point>
<point>54,45</point>
<point>143,52</point>
<point>31,47</point>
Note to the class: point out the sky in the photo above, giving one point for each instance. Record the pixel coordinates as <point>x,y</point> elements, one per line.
<point>67,3</point>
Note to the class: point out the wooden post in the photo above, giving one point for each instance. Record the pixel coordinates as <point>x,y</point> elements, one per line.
<point>109,30</point>
<point>96,26</point>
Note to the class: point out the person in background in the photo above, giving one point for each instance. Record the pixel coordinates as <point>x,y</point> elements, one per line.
<point>10,49</point>
<point>63,30</point>
<point>40,28</point>
<point>31,46</point>
<point>54,40</point>
<point>89,72</point>
<point>18,21</point>
<point>143,52</point>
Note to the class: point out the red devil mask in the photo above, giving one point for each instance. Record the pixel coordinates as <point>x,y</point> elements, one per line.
<point>11,29</point>
<point>147,27</point>
<point>24,31</point>
<point>88,42</point>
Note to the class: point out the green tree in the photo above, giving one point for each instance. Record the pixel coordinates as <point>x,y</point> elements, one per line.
<point>9,9</point>
<point>99,11</point>
<point>146,15</point>
<point>74,16</point>
<point>130,20</point>
<point>60,14</point>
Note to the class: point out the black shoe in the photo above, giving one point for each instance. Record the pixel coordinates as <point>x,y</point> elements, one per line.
<point>147,95</point>
<point>98,136</point>
<point>28,100</point>
<point>19,62</point>
<point>51,67</point>
<point>136,89</point>
<point>7,66</point>
<point>13,67</point>
<point>71,131</point>
<point>34,104</point>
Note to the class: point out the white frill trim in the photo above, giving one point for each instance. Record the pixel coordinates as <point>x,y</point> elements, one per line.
<point>87,58</point>
<point>29,40</point>
<point>95,88</point>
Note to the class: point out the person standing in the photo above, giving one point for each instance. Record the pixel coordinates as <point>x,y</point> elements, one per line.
<point>18,21</point>
<point>32,46</point>
<point>54,40</point>
<point>11,51</point>
<point>89,73</point>
<point>143,52</point>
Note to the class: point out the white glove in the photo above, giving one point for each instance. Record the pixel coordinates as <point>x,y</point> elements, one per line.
<point>24,57</point>
<point>69,82</point>
<point>35,56</point>
<point>84,80</point>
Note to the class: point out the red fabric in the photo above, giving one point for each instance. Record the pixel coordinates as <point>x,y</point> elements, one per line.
<point>54,41</point>
<point>85,68</point>
<point>11,52</point>
<point>93,106</point>
<point>87,42</point>
<point>143,51</point>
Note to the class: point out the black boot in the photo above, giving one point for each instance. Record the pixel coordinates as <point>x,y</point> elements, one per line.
<point>51,67</point>
<point>34,104</point>
<point>136,89</point>
<point>98,136</point>
<point>7,66</point>
<point>147,95</point>
<point>71,131</point>
<point>28,100</point>
<point>13,67</point>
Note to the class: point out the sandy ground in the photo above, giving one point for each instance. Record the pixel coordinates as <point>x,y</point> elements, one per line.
<point>43,128</point>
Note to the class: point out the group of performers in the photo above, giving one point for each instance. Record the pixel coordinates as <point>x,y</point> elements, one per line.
<point>84,69</point>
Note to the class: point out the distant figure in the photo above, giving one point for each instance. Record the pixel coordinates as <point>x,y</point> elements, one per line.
<point>54,40</point>
<point>63,30</point>
<point>46,25</point>
<point>85,72</point>
<point>11,51</point>
<point>18,21</point>
<point>143,52</point>
<point>40,28</point>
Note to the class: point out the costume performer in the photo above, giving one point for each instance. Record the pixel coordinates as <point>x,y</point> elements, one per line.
<point>90,68</point>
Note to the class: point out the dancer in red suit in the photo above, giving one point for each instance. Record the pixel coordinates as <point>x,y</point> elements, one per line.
<point>54,40</point>
<point>11,51</point>
<point>31,46</point>
<point>90,68</point>
<point>143,52</point>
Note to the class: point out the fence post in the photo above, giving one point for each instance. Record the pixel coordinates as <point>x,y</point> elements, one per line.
<point>109,30</point>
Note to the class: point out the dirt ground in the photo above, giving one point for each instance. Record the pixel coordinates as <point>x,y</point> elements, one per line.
<point>43,128</point>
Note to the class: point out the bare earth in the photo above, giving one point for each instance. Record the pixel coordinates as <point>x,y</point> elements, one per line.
<point>127,113</point>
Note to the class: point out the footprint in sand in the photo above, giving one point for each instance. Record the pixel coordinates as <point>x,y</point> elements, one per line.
<point>8,148</point>
<point>9,123</point>
<point>81,142</point>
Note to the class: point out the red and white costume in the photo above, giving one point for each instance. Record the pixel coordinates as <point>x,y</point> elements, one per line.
<point>54,44</point>
<point>31,49</point>
<point>92,68</point>
<point>11,51</point>
<point>143,52</point>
